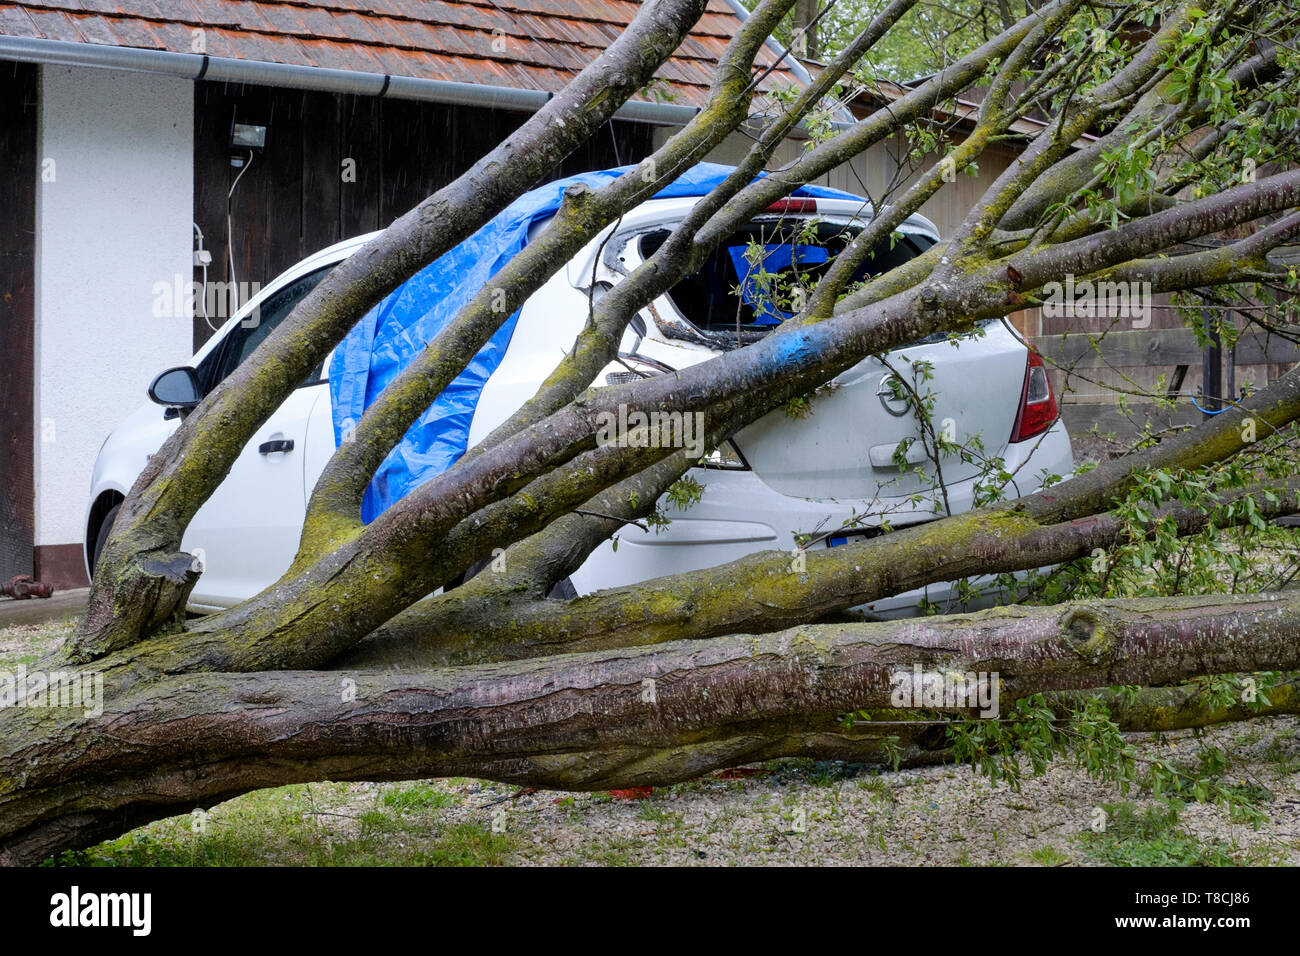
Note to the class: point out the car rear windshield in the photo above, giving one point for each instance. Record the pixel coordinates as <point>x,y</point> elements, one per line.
<point>752,281</point>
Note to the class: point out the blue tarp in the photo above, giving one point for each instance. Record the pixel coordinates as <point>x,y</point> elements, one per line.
<point>383,343</point>
<point>776,259</point>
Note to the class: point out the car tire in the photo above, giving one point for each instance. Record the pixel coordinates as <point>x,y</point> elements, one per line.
<point>101,537</point>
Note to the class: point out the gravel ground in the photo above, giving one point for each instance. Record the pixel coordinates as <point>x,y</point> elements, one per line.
<point>784,813</point>
<point>800,813</point>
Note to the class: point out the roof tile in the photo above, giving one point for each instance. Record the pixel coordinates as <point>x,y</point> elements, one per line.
<point>247,15</point>
<point>60,5</point>
<point>181,10</point>
<point>96,29</point>
<point>15,22</point>
<point>546,41</point>
<point>179,37</point>
<point>136,33</point>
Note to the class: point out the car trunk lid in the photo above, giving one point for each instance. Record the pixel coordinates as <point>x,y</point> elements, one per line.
<point>863,437</point>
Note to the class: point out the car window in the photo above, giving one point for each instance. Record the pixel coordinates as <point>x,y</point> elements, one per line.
<point>750,283</point>
<point>242,340</point>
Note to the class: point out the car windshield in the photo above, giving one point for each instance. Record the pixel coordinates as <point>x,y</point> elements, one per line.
<point>245,336</point>
<point>757,277</point>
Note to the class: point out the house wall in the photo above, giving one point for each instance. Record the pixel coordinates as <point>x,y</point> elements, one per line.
<point>113,221</point>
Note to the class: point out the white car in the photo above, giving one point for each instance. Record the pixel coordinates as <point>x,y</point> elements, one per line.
<point>827,476</point>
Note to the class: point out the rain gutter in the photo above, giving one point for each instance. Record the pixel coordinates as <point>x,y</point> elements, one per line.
<point>199,66</point>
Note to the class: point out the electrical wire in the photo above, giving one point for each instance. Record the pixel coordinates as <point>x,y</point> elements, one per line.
<point>203,297</point>
<point>230,242</point>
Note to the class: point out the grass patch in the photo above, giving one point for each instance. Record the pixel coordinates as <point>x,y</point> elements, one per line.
<point>308,825</point>
<point>420,797</point>
<point>1048,856</point>
<point>1284,755</point>
<point>467,844</point>
<point>616,851</point>
<point>1150,837</point>
<point>653,813</point>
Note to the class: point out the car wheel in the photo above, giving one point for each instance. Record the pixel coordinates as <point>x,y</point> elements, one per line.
<point>101,539</point>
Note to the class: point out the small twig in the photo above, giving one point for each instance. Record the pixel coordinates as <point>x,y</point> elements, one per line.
<point>509,796</point>
<point>598,514</point>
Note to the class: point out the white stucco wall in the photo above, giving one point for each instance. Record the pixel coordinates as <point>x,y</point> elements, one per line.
<point>114,214</point>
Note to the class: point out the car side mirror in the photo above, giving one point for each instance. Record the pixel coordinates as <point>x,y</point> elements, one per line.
<point>176,388</point>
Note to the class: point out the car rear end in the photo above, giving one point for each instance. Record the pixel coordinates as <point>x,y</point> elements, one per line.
<point>934,428</point>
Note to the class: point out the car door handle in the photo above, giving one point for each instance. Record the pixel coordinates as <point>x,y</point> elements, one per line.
<point>271,447</point>
<point>882,456</point>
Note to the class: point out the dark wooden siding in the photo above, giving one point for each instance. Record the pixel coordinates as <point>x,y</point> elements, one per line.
<point>293,199</point>
<point>18,86</point>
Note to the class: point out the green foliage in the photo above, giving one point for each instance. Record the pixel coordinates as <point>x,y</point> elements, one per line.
<point>681,495</point>
<point>1239,552</point>
<point>928,37</point>
<point>418,797</point>
<point>1150,837</point>
<point>1033,733</point>
<point>1032,730</point>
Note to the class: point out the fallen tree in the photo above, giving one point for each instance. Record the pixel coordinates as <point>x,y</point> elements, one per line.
<point>625,718</point>
<point>345,669</point>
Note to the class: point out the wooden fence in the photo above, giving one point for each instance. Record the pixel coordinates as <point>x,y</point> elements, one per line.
<point>1084,363</point>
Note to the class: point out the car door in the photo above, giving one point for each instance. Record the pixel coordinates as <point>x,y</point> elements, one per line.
<point>247,533</point>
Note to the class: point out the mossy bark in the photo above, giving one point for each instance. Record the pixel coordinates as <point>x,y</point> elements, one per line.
<point>579,721</point>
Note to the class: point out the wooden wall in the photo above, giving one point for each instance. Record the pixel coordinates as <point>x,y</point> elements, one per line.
<point>294,199</point>
<point>18,91</point>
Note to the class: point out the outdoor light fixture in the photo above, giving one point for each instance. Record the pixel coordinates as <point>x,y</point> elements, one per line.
<point>245,136</point>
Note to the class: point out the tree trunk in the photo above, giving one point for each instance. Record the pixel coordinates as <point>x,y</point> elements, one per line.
<point>584,721</point>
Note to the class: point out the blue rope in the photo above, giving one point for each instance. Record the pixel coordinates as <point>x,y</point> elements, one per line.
<point>1205,410</point>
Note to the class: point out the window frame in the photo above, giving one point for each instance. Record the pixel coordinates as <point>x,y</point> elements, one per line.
<point>681,327</point>
<point>220,355</point>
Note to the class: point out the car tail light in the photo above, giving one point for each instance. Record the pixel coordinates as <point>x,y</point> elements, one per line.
<point>1037,403</point>
<point>793,206</point>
